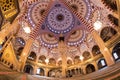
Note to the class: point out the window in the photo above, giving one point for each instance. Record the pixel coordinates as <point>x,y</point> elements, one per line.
<point>0,47</point>
<point>115,55</point>
<point>116,52</point>
<point>103,63</point>
<point>38,71</point>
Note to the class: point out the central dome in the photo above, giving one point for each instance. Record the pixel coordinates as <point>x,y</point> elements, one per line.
<point>60,20</point>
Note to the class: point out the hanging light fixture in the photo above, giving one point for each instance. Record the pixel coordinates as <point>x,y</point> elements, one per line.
<point>26,28</point>
<point>97,25</point>
<point>81,58</point>
<point>47,60</point>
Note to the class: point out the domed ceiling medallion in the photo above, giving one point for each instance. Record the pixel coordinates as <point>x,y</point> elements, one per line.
<point>60,20</point>
<point>76,37</point>
<point>35,12</point>
<point>48,40</point>
<point>82,7</point>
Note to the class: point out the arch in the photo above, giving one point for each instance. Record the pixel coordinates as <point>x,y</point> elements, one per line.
<point>73,71</point>
<point>59,62</point>
<point>102,63</point>
<point>42,59</point>
<point>32,56</point>
<point>69,73</point>
<point>77,70</point>
<point>1,54</point>
<point>76,59</point>
<point>116,52</point>
<point>96,50</point>
<point>11,66</point>
<point>28,69</point>
<point>51,73</point>
<point>69,62</point>
<point>19,51</point>
<point>80,71</point>
<point>4,41</point>
<point>90,68</point>
<point>58,73</point>
<point>86,55</point>
<point>52,61</point>
<point>55,73</point>
<point>2,60</point>
<point>107,33</point>
<point>41,72</point>
<point>21,41</point>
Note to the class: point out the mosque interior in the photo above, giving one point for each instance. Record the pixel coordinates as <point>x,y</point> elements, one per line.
<point>59,39</point>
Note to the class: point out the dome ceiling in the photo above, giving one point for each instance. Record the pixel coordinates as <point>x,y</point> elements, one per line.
<point>60,20</point>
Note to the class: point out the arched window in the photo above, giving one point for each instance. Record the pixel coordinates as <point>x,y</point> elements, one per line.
<point>76,59</point>
<point>90,68</point>
<point>42,59</point>
<point>80,71</point>
<point>69,62</point>
<point>32,56</point>
<point>20,41</point>
<point>28,69</point>
<point>41,72</point>
<point>95,50</point>
<point>107,33</point>
<point>52,61</point>
<point>69,73</point>
<point>77,71</point>
<point>73,71</point>
<point>51,73</point>
<point>19,51</point>
<point>116,52</point>
<point>86,55</point>
<point>60,62</point>
<point>58,73</point>
<point>101,63</point>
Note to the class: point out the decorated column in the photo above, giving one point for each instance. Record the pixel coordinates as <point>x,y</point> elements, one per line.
<point>63,51</point>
